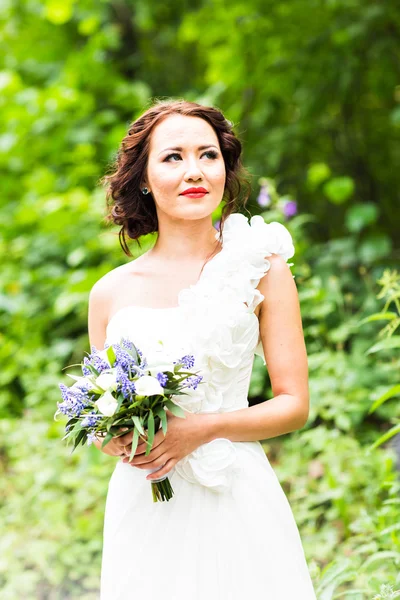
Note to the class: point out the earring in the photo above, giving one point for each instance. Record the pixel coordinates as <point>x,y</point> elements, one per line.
<point>145,191</point>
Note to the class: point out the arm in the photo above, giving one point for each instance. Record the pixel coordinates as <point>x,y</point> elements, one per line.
<point>285,354</point>
<point>97,323</point>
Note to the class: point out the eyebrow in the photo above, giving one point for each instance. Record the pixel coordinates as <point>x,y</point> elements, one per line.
<point>180,149</point>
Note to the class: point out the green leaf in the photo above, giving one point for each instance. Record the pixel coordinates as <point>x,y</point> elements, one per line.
<point>120,401</point>
<point>387,344</point>
<point>111,355</point>
<point>81,437</point>
<point>373,247</point>
<point>93,370</point>
<point>394,391</point>
<point>384,316</point>
<point>107,439</point>
<point>390,529</point>
<point>75,429</point>
<point>150,432</point>
<point>378,556</point>
<point>385,437</point>
<point>317,173</point>
<point>135,439</point>
<point>175,409</point>
<point>174,392</point>
<point>360,215</point>
<point>339,189</point>
<point>163,417</point>
<point>58,12</point>
<point>138,424</point>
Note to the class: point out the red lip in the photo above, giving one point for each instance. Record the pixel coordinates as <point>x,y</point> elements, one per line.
<point>199,190</point>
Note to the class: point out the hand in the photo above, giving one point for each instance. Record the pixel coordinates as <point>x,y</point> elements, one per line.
<point>183,436</point>
<point>118,446</point>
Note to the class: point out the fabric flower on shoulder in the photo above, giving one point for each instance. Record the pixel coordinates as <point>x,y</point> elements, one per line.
<point>273,237</point>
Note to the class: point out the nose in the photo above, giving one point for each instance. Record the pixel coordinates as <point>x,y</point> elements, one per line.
<point>193,171</point>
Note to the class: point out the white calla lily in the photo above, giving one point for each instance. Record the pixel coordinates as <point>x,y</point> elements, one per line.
<point>107,404</point>
<point>107,380</point>
<point>148,386</point>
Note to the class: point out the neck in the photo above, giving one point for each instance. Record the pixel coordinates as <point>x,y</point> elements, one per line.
<point>185,240</point>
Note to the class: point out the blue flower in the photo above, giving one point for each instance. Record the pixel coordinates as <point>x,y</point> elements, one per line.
<point>162,378</point>
<point>74,401</point>
<point>124,359</point>
<point>127,387</point>
<point>187,361</point>
<point>91,438</point>
<point>193,381</point>
<point>90,420</point>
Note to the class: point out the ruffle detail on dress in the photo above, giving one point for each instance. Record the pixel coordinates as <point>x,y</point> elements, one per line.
<point>220,307</point>
<point>248,245</point>
<point>234,274</point>
<point>224,331</point>
<point>212,465</point>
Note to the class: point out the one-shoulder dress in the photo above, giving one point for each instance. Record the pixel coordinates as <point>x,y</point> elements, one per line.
<point>228,533</point>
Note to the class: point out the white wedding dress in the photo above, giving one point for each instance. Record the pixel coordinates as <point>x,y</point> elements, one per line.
<point>228,533</point>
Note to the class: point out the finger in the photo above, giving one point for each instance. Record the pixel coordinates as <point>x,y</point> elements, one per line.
<point>141,449</point>
<point>165,469</point>
<point>142,446</point>
<point>142,461</point>
<point>155,464</point>
<point>124,440</point>
<point>158,439</point>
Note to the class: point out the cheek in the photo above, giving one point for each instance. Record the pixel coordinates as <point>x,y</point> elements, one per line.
<point>219,175</point>
<point>163,179</point>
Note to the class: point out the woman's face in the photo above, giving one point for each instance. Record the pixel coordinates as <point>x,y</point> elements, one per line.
<point>185,153</point>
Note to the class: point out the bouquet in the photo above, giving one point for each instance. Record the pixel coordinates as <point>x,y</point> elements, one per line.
<point>120,391</point>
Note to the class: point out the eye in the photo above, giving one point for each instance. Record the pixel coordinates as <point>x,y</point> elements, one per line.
<point>166,159</point>
<point>212,154</point>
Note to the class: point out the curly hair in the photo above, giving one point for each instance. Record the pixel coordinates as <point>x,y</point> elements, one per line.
<point>136,213</point>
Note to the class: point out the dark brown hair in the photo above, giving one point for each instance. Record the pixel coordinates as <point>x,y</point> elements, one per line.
<point>135,212</point>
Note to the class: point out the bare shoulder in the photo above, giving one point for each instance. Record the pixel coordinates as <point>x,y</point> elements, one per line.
<point>100,299</point>
<point>103,288</point>
<point>278,281</point>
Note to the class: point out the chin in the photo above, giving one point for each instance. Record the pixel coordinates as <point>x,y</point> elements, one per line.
<point>196,211</point>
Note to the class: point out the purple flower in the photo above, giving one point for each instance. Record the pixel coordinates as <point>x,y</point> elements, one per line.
<point>91,438</point>
<point>74,401</point>
<point>127,386</point>
<point>128,344</point>
<point>124,359</point>
<point>143,361</point>
<point>187,361</point>
<point>264,199</point>
<point>290,209</point>
<point>96,361</point>
<point>90,420</point>
<point>85,369</point>
<point>193,381</point>
<point>162,378</point>
<point>217,224</point>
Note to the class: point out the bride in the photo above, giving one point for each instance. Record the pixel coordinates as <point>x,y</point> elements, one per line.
<point>229,532</point>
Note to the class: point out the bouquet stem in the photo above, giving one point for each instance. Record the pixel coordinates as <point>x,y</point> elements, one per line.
<point>162,490</point>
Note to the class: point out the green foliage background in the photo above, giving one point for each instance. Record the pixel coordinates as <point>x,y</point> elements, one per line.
<point>313,89</point>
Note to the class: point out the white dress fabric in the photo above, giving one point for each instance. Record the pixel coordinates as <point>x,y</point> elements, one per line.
<point>228,533</point>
